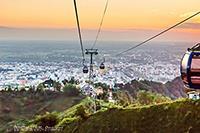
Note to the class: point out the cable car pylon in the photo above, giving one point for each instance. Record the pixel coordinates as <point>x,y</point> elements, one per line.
<point>91,52</point>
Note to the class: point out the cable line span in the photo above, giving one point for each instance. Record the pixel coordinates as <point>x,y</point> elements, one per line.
<point>79,30</point>
<point>164,31</point>
<point>100,25</point>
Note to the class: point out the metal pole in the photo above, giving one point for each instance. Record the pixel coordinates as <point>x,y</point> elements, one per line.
<point>91,52</point>
<point>91,66</point>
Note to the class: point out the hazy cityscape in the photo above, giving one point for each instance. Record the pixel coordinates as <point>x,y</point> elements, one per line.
<point>28,63</point>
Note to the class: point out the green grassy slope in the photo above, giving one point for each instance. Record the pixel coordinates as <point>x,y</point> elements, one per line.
<point>181,116</point>
<point>174,117</point>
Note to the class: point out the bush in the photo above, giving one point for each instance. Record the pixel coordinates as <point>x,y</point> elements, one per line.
<point>81,111</point>
<point>57,85</point>
<point>40,87</point>
<point>103,85</point>
<point>146,98</point>
<point>47,120</point>
<point>70,90</point>
<point>123,98</point>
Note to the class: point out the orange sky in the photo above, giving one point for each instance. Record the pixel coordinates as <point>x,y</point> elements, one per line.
<point>122,14</point>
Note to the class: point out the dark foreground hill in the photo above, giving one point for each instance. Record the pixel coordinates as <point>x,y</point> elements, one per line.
<point>181,116</point>
<point>27,104</point>
<point>174,117</point>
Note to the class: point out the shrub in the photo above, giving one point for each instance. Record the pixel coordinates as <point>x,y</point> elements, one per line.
<point>40,87</point>
<point>103,85</point>
<point>47,120</point>
<point>146,97</point>
<point>123,98</point>
<point>71,90</point>
<point>57,85</point>
<point>81,111</point>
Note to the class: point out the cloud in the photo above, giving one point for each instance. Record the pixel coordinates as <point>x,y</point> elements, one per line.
<point>194,23</point>
<point>186,14</point>
<point>196,19</point>
<point>195,26</point>
<point>5,27</point>
<point>130,34</point>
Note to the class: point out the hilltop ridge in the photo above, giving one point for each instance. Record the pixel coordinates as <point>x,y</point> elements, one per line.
<point>173,89</point>
<point>180,116</point>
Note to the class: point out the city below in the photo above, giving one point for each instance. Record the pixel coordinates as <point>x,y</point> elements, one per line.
<point>28,63</point>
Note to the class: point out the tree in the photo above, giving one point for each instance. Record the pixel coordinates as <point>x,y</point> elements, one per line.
<point>71,90</point>
<point>40,87</point>
<point>146,97</point>
<point>56,85</point>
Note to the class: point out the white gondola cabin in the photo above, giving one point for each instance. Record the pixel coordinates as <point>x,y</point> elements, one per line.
<point>190,67</point>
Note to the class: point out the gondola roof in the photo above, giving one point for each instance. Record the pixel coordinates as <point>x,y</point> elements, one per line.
<point>195,48</point>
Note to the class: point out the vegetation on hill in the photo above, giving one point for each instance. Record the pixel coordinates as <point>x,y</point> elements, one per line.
<point>123,98</point>
<point>173,89</point>
<point>178,116</point>
<point>71,119</point>
<point>139,106</point>
<point>19,106</point>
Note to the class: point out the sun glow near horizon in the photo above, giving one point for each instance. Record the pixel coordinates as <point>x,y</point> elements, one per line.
<point>121,15</point>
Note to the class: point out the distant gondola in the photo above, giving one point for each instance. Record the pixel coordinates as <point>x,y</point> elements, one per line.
<point>102,66</point>
<point>85,69</point>
<point>190,67</point>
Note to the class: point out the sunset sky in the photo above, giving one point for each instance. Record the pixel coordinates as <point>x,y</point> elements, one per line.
<point>121,14</point>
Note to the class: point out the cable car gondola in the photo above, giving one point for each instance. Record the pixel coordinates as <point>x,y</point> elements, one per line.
<point>102,66</point>
<point>85,69</point>
<point>190,68</point>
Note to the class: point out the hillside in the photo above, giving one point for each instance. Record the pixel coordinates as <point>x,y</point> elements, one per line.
<point>23,107</point>
<point>27,104</point>
<point>173,89</point>
<point>179,116</point>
